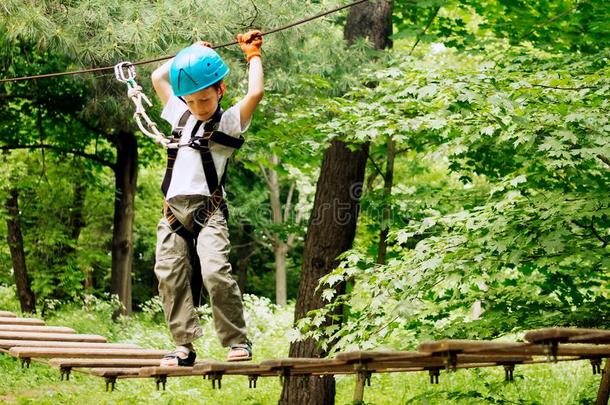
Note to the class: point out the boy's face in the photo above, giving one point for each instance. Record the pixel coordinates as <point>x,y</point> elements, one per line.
<point>203,104</point>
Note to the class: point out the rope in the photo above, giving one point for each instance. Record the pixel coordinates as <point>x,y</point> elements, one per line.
<point>107,68</point>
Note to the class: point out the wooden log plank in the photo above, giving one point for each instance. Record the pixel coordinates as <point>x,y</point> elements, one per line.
<point>7,314</point>
<point>36,329</point>
<point>365,356</point>
<point>20,321</point>
<point>305,365</point>
<point>301,362</point>
<point>117,372</point>
<point>458,346</point>
<point>517,349</point>
<point>602,337</point>
<point>557,334</point>
<point>571,350</point>
<point>103,363</point>
<point>33,352</point>
<point>208,367</point>
<point>7,344</point>
<point>157,371</point>
<point>441,361</point>
<point>55,337</point>
<point>232,368</point>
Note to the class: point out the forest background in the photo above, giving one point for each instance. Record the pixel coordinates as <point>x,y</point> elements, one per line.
<point>483,208</point>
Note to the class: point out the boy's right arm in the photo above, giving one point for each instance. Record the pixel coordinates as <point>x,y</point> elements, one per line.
<point>161,83</point>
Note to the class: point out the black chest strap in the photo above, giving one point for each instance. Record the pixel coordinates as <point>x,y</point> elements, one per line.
<point>201,143</point>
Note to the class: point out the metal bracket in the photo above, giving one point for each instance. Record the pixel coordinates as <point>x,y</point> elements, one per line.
<point>161,379</point>
<point>451,361</point>
<point>215,377</point>
<point>434,374</point>
<point>65,372</point>
<point>252,381</point>
<point>508,372</point>
<point>596,364</point>
<point>110,381</point>
<point>283,373</point>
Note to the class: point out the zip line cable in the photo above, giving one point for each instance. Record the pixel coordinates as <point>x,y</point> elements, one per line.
<point>108,68</point>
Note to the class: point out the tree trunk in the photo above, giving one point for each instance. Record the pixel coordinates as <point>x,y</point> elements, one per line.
<point>126,173</point>
<point>15,243</point>
<point>76,220</point>
<point>372,20</point>
<point>332,224</point>
<point>330,232</point>
<point>386,219</point>
<point>280,250</point>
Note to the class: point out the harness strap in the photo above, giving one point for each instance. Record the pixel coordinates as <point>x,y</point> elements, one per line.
<point>216,200</point>
<point>172,153</point>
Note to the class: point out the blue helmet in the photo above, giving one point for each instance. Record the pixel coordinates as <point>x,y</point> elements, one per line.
<point>195,68</point>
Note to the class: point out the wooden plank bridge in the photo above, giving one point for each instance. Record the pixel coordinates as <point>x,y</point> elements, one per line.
<point>29,339</point>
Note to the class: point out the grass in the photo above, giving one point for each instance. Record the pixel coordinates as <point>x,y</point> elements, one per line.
<point>562,383</point>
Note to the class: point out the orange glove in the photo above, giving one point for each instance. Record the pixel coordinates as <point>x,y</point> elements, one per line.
<point>251,43</point>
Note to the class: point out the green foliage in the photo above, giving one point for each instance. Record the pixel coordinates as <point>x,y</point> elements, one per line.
<point>564,25</point>
<point>520,222</point>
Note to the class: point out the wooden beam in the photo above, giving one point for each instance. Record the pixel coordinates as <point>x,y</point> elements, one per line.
<point>557,334</point>
<point>20,321</point>
<point>7,314</point>
<point>56,337</point>
<point>36,329</point>
<point>103,363</point>
<point>117,372</point>
<point>34,352</point>
<point>7,344</point>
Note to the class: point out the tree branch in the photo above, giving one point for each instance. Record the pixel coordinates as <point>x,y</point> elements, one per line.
<point>531,31</point>
<point>265,176</point>
<point>377,168</point>
<point>432,17</point>
<point>544,86</point>
<point>594,231</point>
<point>288,205</point>
<point>95,158</point>
<point>604,159</point>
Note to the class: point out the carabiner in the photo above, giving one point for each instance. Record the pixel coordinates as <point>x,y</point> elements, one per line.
<point>125,72</point>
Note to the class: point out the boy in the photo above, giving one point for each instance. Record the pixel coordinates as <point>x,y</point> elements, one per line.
<point>190,87</point>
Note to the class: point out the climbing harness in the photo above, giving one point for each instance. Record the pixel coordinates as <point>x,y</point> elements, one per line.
<point>209,204</point>
<point>215,185</point>
<point>125,72</point>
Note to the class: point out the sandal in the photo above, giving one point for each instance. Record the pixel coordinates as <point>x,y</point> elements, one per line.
<point>240,352</point>
<point>187,361</point>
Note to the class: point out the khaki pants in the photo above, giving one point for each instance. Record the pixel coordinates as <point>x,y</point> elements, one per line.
<point>173,270</point>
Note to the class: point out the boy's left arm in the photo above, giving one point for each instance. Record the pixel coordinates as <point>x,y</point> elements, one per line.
<point>251,43</point>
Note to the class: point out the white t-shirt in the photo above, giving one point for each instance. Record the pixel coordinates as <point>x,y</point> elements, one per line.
<point>188,177</point>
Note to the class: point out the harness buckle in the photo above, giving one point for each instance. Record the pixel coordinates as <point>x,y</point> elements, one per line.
<point>200,142</point>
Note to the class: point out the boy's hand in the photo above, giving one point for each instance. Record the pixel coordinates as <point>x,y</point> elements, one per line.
<point>204,43</point>
<point>251,43</point>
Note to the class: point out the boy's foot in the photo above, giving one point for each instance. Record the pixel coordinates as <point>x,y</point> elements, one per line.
<point>240,352</point>
<point>180,357</point>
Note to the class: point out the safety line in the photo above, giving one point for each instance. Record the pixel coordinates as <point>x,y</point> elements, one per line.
<point>107,68</point>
